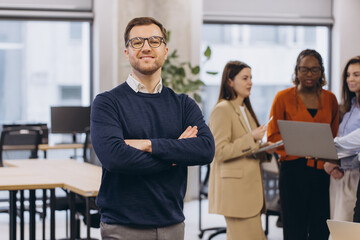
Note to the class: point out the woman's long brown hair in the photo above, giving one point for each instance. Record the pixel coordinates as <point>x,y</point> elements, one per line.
<point>231,69</point>
<point>346,95</point>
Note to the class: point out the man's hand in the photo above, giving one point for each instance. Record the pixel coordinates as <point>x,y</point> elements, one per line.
<point>333,170</point>
<point>141,144</point>
<point>337,173</point>
<point>190,132</point>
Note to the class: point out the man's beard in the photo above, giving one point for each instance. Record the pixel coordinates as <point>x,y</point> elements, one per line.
<point>148,70</point>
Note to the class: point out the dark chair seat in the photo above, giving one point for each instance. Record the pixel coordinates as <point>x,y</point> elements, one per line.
<point>21,139</point>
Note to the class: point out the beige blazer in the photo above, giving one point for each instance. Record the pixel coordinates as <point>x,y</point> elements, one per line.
<point>235,185</point>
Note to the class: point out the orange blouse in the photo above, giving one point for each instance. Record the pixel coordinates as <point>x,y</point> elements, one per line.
<point>288,105</point>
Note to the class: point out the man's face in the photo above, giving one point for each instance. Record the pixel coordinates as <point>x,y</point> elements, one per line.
<point>146,60</point>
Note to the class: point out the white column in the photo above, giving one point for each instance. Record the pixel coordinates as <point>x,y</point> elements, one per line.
<point>345,36</point>
<point>105,45</point>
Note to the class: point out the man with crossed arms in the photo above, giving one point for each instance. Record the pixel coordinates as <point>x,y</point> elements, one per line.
<point>145,136</point>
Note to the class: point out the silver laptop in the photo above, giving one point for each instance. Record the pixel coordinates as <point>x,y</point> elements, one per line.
<point>308,139</point>
<point>340,230</point>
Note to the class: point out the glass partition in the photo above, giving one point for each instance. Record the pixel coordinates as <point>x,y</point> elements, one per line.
<point>270,50</point>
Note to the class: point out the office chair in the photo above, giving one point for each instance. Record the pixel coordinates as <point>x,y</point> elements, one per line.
<point>271,191</point>
<point>89,153</point>
<point>203,194</point>
<point>20,139</point>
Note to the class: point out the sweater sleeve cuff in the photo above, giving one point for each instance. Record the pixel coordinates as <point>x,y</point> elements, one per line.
<point>156,148</point>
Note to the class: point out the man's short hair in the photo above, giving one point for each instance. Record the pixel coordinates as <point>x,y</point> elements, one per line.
<point>143,21</point>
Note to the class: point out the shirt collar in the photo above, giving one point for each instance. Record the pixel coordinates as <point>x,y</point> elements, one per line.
<point>353,101</point>
<point>139,87</point>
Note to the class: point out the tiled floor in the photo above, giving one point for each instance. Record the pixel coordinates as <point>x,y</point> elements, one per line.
<point>191,231</point>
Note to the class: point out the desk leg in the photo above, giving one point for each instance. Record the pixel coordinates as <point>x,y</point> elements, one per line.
<point>45,155</point>
<point>44,207</point>
<point>72,216</point>
<point>32,215</point>
<point>12,215</point>
<point>88,218</point>
<point>22,210</point>
<point>52,214</point>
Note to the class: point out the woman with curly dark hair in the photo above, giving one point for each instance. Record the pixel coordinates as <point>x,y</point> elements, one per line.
<point>304,185</point>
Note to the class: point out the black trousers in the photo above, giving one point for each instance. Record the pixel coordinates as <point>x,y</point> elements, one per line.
<point>304,197</point>
<point>357,206</point>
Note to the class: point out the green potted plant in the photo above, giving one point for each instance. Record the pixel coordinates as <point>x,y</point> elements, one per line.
<point>182,77</point>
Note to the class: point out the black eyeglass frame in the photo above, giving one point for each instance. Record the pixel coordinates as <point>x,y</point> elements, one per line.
<point>129,42</point>
<point>313,70</point>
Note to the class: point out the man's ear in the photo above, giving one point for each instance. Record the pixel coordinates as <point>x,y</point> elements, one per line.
<point>166,52</point>
<point>126,53</point>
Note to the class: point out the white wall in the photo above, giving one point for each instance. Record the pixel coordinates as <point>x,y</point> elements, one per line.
<point>105,46</point>
<point>345,36</point>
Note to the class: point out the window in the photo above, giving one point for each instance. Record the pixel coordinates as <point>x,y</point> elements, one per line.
<point>271,52</point>
<point>42,63</point>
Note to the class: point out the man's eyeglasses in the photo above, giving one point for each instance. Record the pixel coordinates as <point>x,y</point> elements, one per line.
<point>138,42</point>
<point>305,70</point>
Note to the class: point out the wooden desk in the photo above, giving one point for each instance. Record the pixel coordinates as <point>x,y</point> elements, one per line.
<point>81,178</point>
<point>44,147</point>
<point>14,179</point>
<point>78,177</point>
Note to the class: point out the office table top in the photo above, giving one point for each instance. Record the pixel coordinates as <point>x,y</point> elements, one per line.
<point>81,178</point>
<point>13,178</point>
<point>45,147</point>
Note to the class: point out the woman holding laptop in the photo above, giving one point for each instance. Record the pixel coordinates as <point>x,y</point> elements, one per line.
<point>303,183</point>
<point>345,178</point>
<point>235,186</point>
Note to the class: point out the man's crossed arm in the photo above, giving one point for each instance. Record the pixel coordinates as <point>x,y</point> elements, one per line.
<point>145,144</point>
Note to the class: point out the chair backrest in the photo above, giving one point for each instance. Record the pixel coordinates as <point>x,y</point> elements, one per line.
<point>89,153</point>
<point>271,180</point>
<point>20,139</point>
<point>204,180</point>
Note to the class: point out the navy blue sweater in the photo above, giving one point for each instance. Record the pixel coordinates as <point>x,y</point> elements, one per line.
<point>140,188</point>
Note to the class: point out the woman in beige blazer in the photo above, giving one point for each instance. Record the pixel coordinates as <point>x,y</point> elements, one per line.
<point>235,187</point>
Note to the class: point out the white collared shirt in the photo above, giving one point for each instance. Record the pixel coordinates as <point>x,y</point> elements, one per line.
<point>139,87</point>
<point>349,145</point>
<point>242,109</point>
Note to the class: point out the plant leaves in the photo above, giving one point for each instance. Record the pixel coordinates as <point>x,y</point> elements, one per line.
<point>211,73</point>
<point>173,55</point>
<point>197,97</point>
<point>168,36</point>
<point>181,76</point>
<point>207,53</point>
<point>195,70</point>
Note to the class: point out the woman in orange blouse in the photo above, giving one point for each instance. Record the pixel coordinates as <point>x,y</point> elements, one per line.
<point>304,185</point>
